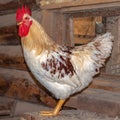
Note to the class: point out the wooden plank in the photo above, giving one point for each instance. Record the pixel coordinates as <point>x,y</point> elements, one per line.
<point>23,107</point>
<point>81,40</point>
<point>13,74</point>
<point>6,20</point>
<point>78,9</point>
<point>48,22</point>
<point>60,29</point>
<point>110,76</point>
<point>9,39</point>
<point>3,85</point>
<point>9,19</point>
<point>24,90</point>
<point>96,100</point>
<point>12,57</point>
<point>96,7</point>
<point>23,86</point>
<point>107,83</point>
<point>86,25</point>
<point>8,7</point>
<point>69,38</point>
<point>84,29</point>
<point>6,106</point>
<point>80,3</point>
<point>11,50</point>
<point>105,12</point>
<point>12,62</point>
<point>12,29</point>
<point>54,26</point>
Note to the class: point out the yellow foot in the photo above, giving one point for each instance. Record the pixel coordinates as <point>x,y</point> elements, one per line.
<point>55,111</point>
<point>48,113</point>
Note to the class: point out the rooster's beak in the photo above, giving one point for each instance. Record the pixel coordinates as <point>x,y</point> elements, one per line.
<point>19,23</point>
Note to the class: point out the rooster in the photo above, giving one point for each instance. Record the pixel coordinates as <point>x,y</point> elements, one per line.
<point>62,70</point>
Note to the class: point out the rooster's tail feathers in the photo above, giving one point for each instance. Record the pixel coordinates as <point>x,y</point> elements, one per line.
<point>101,48</point>
<point>104,44</point>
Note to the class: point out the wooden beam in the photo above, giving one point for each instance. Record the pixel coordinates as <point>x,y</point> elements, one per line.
<point>87,8</point>
<point>48,22</point>
<point>104,12</point>
<point>91,7</point>
<point>9,19</point>
<point>8,7</point>
<point>12,29</point>
<point>13,62</point>
<point>83,3</point>
<point>12,57</point>
<point>9,39</point>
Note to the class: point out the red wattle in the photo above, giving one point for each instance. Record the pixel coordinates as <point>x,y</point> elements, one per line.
<point>24,29</point>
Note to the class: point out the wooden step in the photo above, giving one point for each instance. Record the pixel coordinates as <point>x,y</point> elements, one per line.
<point>92,100</point>
<point>19,107</point>
<point>97,100</point>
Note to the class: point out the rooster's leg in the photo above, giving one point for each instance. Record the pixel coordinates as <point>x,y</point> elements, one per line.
<point>55,111</point>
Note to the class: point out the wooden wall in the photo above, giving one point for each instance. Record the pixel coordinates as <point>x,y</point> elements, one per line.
<point>113,25</point>
<point>15,79</point>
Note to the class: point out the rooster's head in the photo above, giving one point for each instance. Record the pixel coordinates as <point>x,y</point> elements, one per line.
<point>24,20</point>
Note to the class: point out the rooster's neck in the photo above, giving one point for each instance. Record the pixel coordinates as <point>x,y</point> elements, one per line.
<point>37,39</point>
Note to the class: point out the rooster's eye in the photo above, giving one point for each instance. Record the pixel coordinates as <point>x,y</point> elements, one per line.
<point>26,18</point>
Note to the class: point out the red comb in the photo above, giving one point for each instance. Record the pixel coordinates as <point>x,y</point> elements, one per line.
<point>21,11</point>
